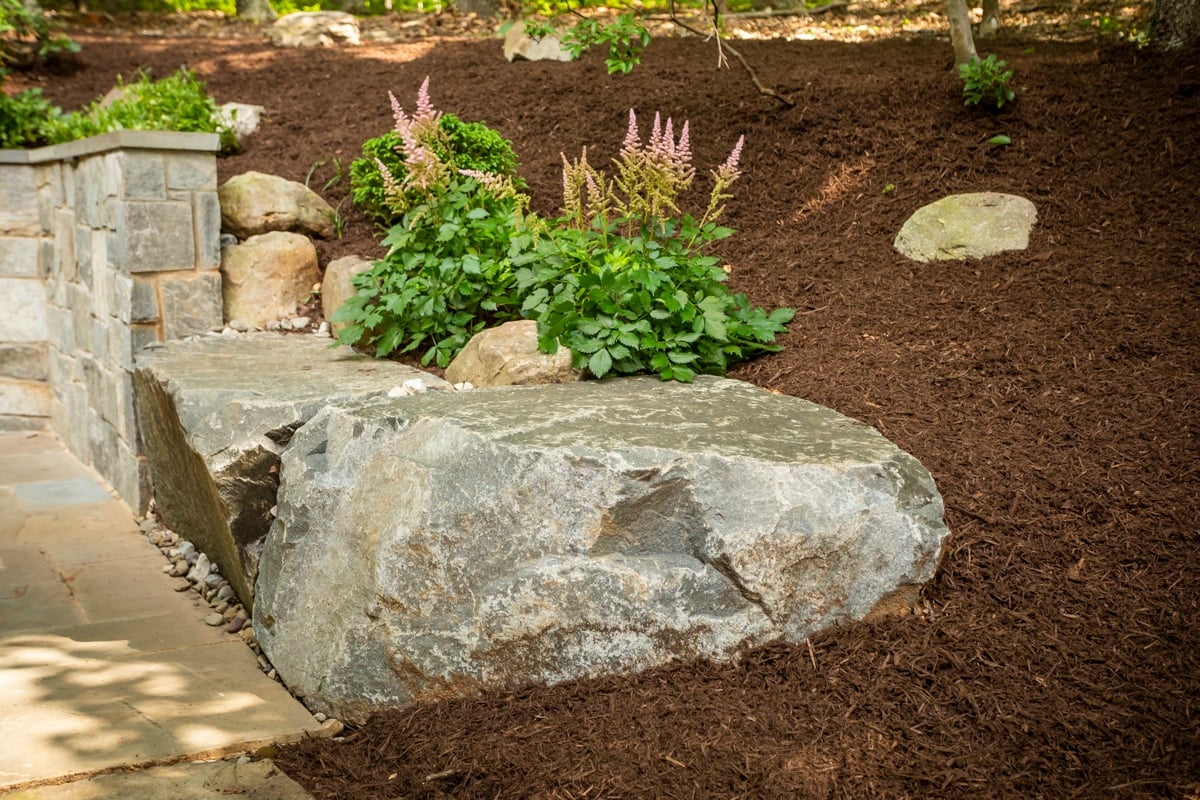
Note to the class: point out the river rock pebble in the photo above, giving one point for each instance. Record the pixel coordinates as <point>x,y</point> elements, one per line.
<point>214,620</point>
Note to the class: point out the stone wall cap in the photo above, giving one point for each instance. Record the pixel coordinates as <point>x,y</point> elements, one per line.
<point>115,140</point>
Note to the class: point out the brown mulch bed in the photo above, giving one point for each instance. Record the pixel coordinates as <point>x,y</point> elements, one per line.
<point>1053,393</point>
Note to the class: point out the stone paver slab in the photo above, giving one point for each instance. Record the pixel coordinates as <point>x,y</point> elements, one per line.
<point>32,594</point>
<point>44,495</point>
<point>39,467</point>
<point>109,590</point>
<point>28,444</point>
<point>11,515</point>
<point>99,534</point>
<point>132,638</point>
<point>258,780</point>
<point>69,707</point>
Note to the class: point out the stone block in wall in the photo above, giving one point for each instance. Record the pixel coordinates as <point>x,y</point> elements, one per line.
<point>60,325</point>
<point>83,253</point>
<point>93,379</point>
<point>191,304</point>
<point>143,307</point>
<point>78,298</point>
<point>102,442</point>
<point>49,192</point>
<point>22,310</point>
<point>49,253</point>
<point>122,297</point>
<point>207,211</point>
<point>74,428</point>
<point>24,398</point>
<point>192,172</point>
<point>120,346</point>
<point>19,257</point>
<point>18,200</point>
<point>119,410</point>
<point>24,361</point>
<point>140,336</point>
<point>64,233</point>
<point>99,341</point>
<point>130,478</point>
<point>143,174</point>
<point>156,236</point>
<point>88,180</point>
<point>102,278</point>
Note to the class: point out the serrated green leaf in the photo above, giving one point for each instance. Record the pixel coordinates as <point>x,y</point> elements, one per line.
<point>600,363</point>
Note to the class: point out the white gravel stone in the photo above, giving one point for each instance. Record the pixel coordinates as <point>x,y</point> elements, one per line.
<point>214,620</point>
<point>300,323</point>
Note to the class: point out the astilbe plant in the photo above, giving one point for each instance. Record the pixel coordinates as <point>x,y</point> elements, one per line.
<point>622,279</point>
<point>448,271</point>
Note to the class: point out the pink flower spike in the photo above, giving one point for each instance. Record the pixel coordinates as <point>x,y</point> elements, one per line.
<point>731,164</point>
<point>425,108</point>
<point>656,134</point>
<point>633,140</point>
<point>668,140</point>
<point>683,153</point>
<point>402,122</point>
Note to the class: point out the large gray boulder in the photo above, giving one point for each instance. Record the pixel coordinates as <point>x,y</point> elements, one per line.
<point>967,226</point>
<point>431,546</point>
<point>213,416</point>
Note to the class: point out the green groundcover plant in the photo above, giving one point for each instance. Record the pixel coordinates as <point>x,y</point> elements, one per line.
<point>448,272</point>
<point>985,82</point>
<point>622,277</point>
<point>175,103</point>
<point>459,145</point>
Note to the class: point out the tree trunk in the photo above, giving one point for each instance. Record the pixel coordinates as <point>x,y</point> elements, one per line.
<point>991,18</point>
<point>960,31</point>
<point>1175,23</point>
<point>256,10</point>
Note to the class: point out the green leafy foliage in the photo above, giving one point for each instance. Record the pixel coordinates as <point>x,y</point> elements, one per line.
<point>622,278</point>
<point>447,275</point>
<point>647,303</point>
<point>464,145</point>
<point>985,82</point>
<point>27,35</point>
<point>626,38</point>
<point>24,118</point>
<point>175,103</point>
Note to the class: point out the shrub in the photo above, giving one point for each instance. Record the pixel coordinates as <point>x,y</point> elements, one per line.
<point>625,285</point>
<point>448,272</point>
<point>985,82</point>
<point>24,118</point>
<point>175,103</point>
<point>458,144</point>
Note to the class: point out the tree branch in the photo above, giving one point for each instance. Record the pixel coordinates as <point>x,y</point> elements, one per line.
<point>788,12</point>
<point>722,48</point>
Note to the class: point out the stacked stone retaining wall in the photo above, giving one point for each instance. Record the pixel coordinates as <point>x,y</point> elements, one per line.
<point>106,244</point>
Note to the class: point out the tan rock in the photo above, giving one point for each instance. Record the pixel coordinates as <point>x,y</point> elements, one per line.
<point>337,285</point>
<point>254,203</point>
<point>508,355</point>
<point>519,47</point>
<point>315,29</point>
<point>266,276</point>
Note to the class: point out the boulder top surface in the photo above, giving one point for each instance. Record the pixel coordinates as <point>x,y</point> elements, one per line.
<point>713,416</point>
<point>216,376</point>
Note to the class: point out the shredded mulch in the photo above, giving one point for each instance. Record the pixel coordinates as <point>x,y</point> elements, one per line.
<point>1053,393</point>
